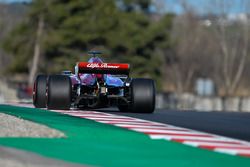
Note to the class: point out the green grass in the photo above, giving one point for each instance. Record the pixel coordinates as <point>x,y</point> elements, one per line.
<point>92,143</point>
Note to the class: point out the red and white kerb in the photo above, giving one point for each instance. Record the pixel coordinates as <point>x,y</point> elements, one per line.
<point>157,130</point>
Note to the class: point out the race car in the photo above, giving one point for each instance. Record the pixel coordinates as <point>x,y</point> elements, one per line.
<point>95,84</point>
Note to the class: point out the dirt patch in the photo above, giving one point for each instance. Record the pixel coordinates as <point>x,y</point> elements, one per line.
<point>11,126</point>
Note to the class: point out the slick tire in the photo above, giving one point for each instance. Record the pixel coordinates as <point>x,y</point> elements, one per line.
<point>39,91</point>
<point>142,96</point>
<point>59,92</point>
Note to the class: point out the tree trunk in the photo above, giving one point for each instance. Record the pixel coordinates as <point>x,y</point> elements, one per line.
<point>37,51</point>
<point>188,79</point>
<point>178,79</point>
<point>242,63</point>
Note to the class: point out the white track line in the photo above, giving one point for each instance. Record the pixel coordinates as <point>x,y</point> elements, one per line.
<point>126,122</point>
<point>146,130</point>
<point>207,144</point>
<point>232,151</point>
<point>173,137</point>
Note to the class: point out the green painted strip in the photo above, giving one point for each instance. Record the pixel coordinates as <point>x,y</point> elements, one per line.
<point>92,143</point>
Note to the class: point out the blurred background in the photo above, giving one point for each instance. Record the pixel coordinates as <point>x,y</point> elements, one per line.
<point>197,51</point>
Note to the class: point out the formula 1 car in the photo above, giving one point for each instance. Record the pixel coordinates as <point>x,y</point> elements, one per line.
<point>95,84</point>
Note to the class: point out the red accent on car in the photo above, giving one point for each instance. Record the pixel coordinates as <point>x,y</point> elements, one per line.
<point>103,68</point>
<point>103,65</point>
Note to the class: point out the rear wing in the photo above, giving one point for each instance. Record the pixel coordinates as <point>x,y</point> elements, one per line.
<point>103,68</point>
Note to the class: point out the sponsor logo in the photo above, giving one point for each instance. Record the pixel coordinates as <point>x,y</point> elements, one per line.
<point>102,65</point>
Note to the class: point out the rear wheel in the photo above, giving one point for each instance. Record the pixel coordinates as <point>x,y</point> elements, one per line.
<point>59,92</point>
<point>142,93</point>
<point>39,91</point>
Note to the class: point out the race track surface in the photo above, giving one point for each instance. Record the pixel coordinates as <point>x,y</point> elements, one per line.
<point>230,124</point>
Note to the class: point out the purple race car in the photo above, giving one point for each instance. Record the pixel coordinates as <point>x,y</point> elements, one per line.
<point>95,84</point>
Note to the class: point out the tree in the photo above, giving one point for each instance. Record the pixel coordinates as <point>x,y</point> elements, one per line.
<point>10,15</point>
<point>232,38</point>
<point>69,28</point>
<point>190,55</point>
<point>218,50</point>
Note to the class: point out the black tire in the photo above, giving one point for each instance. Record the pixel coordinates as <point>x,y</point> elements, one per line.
<point>39,91</point>
<point>142,96</point>
<point>59,92</point>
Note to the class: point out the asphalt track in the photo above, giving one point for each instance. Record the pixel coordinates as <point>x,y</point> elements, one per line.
<point>230,124</point>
